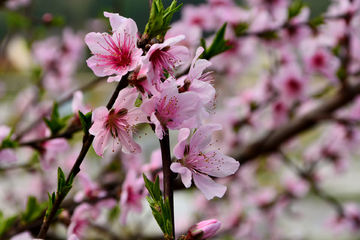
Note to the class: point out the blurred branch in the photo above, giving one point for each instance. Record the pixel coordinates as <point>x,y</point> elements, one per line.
<point>61,101</point>
<point>272,141</point>
<point>308,176</point>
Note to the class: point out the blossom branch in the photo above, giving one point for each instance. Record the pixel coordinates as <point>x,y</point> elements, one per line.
<point>168,174</point>
<point>307,175</point>
<point>272,141</point>
<point>87,141</point>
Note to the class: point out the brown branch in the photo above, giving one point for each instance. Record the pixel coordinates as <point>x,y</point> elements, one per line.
<point>274,139</point>
<point>168,175</point>
<point>87,141</point>
<point>308,176</point>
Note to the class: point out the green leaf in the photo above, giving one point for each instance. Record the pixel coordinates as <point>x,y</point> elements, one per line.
<point>218,45</point>
<point>16,20</point>
<point>295,8</point>
<point>58,21</point>
<point>55,123</point>
<point>6,224</point>
<point>8,143</point>
<point>149,186</point>
<point>268,35</point>
<point>156,189</point>
<point>341,73</point>
<point>169,227</point>
<point>71,179</point>
<point>159,219</point>
<point>241,28</point>
<point>138,102</point>
<point>169,13</point>
<point>61,180</point>
<point>33,210</point>
<point>85,121</point>
<point>166,211</point>
<point>50,204</point>
<point>159,18</point>
<point>65,190</point>
<point>317,21</point>
<point>58,212</point>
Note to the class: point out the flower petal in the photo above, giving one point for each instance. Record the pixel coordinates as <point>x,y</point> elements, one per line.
<point>202,137</point>
<point>180,147</point>
<point>208,186</point>
<point>184,172</point>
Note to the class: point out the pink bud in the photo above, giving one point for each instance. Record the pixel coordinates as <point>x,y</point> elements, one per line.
<point>206,228</point>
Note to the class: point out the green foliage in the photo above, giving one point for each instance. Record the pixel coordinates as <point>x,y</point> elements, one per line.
<point>16,20</point>
<point>51,202</point>
<point>161,210</point>
<point>341,73</point>
<point>8,143</point>
<point>63,188</point>
<point>33,210</point>
<point>85,121</point>
<point>268,35</point>
<point>6,223</point>
<point>295,8</point>
<point>58,21</point>
<point>55,123</point>
<point>317,21</point>
<point>160,18</point>
<point>241,28</point>
<point>218,45</point>
<point>138,102</point>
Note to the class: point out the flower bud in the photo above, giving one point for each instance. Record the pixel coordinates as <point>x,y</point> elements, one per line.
<point>203,230</point>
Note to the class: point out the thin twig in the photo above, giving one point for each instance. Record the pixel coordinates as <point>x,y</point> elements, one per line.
<point>168,175</point>
<point>87,141</point>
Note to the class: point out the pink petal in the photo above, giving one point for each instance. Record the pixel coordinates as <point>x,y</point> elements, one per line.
<point>126,98</point>
<point>95,41</point>
<point>99,116</point>
<point>206,185</point>
<point>116,78</point>
<point>115,19</point>
<point>101,141</point>
<point>184,172</point>
<point>159,130</point>
<point>205,90</point>
<point>180,147</point>
<point>202,137</point>
<point>4,132</point>
<point>136,116</point>
<point>97,69</point>
<point>181,52</point>
<point>173,40</point>
<point>128,143</point>
<point>7,155</point>
<point>222,164</point>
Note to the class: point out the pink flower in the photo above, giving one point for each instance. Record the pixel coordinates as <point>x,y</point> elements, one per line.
<point>291,83</point>
<point>116,53</point>
<point>165,56</point>
<point>50,149</point>
<point>79,220</point>
<point>193,162</point>
<point>91,189</point>
<point>117,124</point>
<point>198,82</point>
<point>171,109</point>
<point>131,195</point>
<point>208,228</point>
